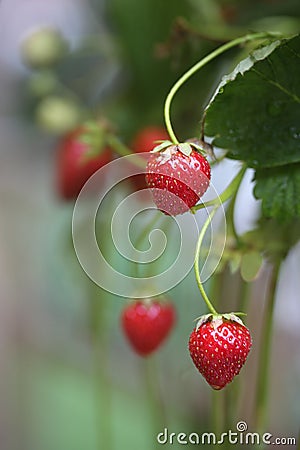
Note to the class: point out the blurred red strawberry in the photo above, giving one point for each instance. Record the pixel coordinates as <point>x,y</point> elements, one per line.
<point>80,154</point>
<point>146,324</point>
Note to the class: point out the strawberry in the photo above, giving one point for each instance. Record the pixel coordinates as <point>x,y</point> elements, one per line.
<point>219,346</point>
<point>80,154</point>
<point>178,175</point>
<point>145,141</point>
<point>147,323</point>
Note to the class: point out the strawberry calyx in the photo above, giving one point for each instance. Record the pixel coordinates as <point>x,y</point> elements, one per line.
<point>218,319</point>
<point>94,135</point>
<point>186,148</point>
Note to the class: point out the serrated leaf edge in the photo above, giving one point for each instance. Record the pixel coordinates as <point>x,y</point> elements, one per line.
<point>245,65</point>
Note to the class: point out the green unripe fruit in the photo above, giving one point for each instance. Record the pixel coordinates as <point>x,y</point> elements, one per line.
<point>58,115</point>
<point>43,48</point>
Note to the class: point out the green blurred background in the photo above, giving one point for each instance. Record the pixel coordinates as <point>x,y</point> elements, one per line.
<point>65,386</point>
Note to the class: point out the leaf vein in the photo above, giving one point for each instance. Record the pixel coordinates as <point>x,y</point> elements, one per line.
<point>278,85</point>
<point>293,51</point>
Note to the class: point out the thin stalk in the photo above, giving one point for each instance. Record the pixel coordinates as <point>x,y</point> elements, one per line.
<point>265,352</point>
<point>231,230</point>
<point>198,66</point>
<point>118,146</point>
<point>196,261</point>
<point>123,150</point>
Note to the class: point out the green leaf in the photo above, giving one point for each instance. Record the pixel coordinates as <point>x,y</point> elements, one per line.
<point>250,265</point>
<point>255,112</point>
<point>273,238</point>
<point>279,190</point>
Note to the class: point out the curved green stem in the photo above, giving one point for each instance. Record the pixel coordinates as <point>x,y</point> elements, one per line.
<point>229,192</point>
<point>199,65</point>
<point>231,230</point>
<point>196,262</point>
<point>118,146</point>
<point>123,150</point>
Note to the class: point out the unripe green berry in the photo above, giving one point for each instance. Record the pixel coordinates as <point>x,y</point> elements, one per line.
<point>43,48</point>
<point>58,115</point>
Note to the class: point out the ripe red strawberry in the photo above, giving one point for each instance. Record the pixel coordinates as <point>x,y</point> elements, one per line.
<point>147,323</point>
<point>144,141</point>
<point>78,159</point>
<point>219,347</point>
<point>178,176</point>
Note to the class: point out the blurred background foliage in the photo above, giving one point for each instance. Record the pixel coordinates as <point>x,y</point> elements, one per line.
<point>70,381</point>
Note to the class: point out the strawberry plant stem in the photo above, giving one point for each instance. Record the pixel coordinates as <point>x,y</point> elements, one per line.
<point>118,146</point>
<point>265,352</point>
<point>122,150</point>
<point>199,65</point>
<point>196,262</point>
<point>231,230</point>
